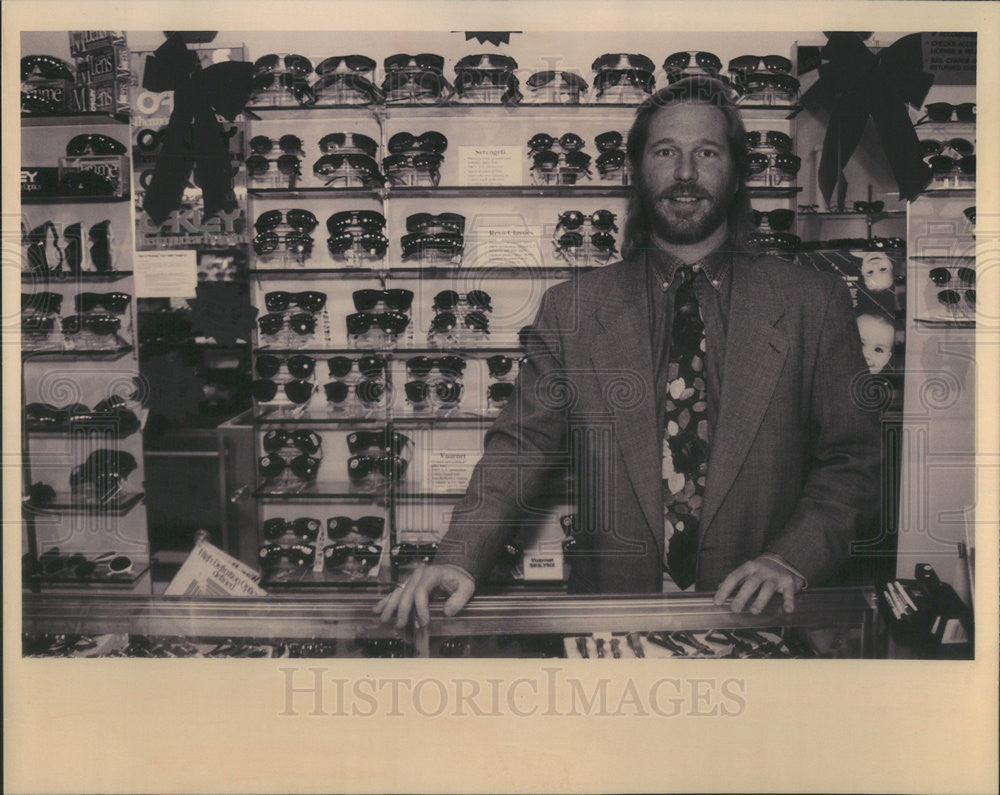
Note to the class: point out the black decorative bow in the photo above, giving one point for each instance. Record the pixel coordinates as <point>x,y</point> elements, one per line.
<point>199,94</point>
<point>496,37</point>
<point>858,83</point>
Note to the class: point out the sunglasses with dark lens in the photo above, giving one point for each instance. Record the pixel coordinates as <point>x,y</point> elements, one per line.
<point>612,160</point>
<point>367,526</point>
<point>869,208</point>
<point>418,242</point>
<point>780,241</point>
<point>420,366</point>
<point>962,146</point>
<point>425,60</point>
<point>943,111</point>
<point>39,324</point>
<point>443,322</point>
<point>499,365</point>
<point>680,61</point>
<point>303,466</point>
<point>500,392</point>
<point>386,440</point>
<point>286,164</point>
<point>602,241</point>
<point>449,222</point>
<point>372,243</point>
<point>567,80</point>
<point>263,390</point>
<point>94,144</point>
<point>390,322</point>
<point>103,464</point>
<point>430,141</point>
<point>569,142</point>
<point>608,141</point>
<point>449,299</point>
<point>425,161</point>
<point>368,220</point>
<point>617,61</point>
<point>953,297</point>
<point>299,392</point>
<point>296,554</point>
<point>97,324</point>
<point>417,391</point>
<point>369,366</point>
<point>430,83</point>
<point>356,63</point>
<point>599,219</point>
<point>305,441</point>
<point>305,528</point>
<point>472,78</point>
<point>111,302</point>
<point>624,77</point>
<point>399,299</point>
<point>942,164</point>
<point>263,144</point>
<point>547,160</point>
<point>329,165</point>
<point>769,138</point>
<point>297,65</point>
<point>360,467</point>
<point>351,81</point>
<point>336,391</point>
<point>45,66</point>
<point>477,321</point>
<point>300,220</point>
<point>297,243</point>
<point>369,392</point>
<point>757,63</point>
<point>942,276</point>
<point>787,163</point>
<point>100,252</point>
<point>753,82</point>
<point>366,555</point>
<point>968,212</point>
<point>779,220</point>
<point>757,162</point>
<point>44,302</point>
<point>334,142</point>
<point>86,183</point>
<point>301,91</point>
<point>488,60</point>
<point>299,366</point>
<point>300,323</point>
<point>402,554</point>
<point>310,300</point>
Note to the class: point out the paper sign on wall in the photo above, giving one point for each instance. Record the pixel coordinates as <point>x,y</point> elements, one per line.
<point>950,57</point>
<point>490,165</point>
<point>166,274</point>
<point>449,471</point>
<point>508,246</point>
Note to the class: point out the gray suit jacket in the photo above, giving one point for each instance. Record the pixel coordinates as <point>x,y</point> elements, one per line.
<point>794,458</point>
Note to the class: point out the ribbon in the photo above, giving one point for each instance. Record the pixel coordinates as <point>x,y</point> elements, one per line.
<point>496,37</point>
<point>859,84</point>
<point>193,138</point>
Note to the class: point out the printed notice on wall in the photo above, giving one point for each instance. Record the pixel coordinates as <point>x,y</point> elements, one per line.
<point>950,57</point>
<point>490,165</point>
<point>164,274</point>
<point>450,470</point>
<point>506,246</point>
<point>538,566</point>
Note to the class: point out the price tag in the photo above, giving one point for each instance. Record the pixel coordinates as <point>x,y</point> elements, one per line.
<point>543,566</point>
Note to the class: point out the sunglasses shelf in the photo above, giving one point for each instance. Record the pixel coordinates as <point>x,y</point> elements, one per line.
<point>86,119</point>
<point>108,354</point>
<point>74,199</point>
<point>66,502</point>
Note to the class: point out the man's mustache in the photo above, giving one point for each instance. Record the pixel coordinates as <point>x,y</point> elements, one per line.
<point>684,193</point>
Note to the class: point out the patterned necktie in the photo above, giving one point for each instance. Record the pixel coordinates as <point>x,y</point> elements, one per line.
<point>685,442</point>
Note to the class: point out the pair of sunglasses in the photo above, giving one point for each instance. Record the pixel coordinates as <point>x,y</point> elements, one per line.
<point>310,300</point>
<point>869,208</point>
<point>430,141</point>
<point>599,219</point>
<point>102,325</point>
<point>94,144</point>
<point>420,366</point>
<point>944,111</point>
<point>304,528</point>
<point>445,391</point>
<point>37,324</point>
<point>942,276</point>
<point>112,302</point>
<point>263,144</point>
<point>547,160</point>
<point>297,65</point>
<point>366,555</point>
<point>332,143</point>
<point>603,241</point>
<point>402,554</point>
<point>299,366</point>
<point>42,302</point>
<point>389,441</point>
<point>103,463</point>
<point>962,146</point>
<point>564,80</point>
<point>753,82</point>
<point>488,60</point>
<point>631,78</point>
<point>300,323</point>
<point>780,241</point>
<point>952,297</point>
<point>569,142</point>
<point>617,61</point>
<point>431,82</point>
<point>360,467</point>
<point>257,165</point>
<point>120,421</point>
<point>390,322</point>
<point>970,214</point>
<point>425,61</point>
<point>304,441</point>
<point>369,391</point>
<point>418,242</point>
<point>942,164</point>
<point>368,220</point>
<point>609,141</point>
<point>445,322</point>
<point>500,392</point>
<point>398,299</point>
<point>499,365</point>
<point>449,299</point>
<point>330,165</point>
<point>758,63</point>
<point>299,244</point>
<point>86,183</point>
<point>367,526</point>
<point>372,243</point>
<point>304,467</point>
<point>783,162</point>
<point>296,554</point>
<point>772,139</point>
<point>680,61</point>
<point>449,222</point>
<point>353,82</point>
<point>299,392</point>
<point>425,161</point>
<point>300,220</point>
<point>611,160</point>
<point>779,220</point>
<point>369,366</point>
<point>355,63</point>
<point>46,66</point>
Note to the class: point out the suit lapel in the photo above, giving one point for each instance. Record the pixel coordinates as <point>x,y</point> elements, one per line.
<point>755,354</point>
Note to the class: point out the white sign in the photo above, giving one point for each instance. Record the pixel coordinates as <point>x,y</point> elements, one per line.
<point>490,165</point>
<point>450,471</point>
<point>507,247</point>
<point>539,566</point>
<point>208,571</point>
<point>166,274</point>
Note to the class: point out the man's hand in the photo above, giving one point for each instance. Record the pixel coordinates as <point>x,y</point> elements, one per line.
<point>761,576</point>
<point>416,591</point>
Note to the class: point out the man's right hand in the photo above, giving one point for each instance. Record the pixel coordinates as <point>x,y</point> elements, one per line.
<point>416,591</point>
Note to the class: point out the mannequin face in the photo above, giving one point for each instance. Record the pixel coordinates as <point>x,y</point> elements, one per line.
<point>877,337</point>
<point>876,270</point>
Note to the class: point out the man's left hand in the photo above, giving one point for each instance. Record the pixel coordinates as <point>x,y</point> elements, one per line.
<point>761,576</point>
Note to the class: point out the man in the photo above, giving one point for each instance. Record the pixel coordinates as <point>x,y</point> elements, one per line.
<point>700,398</point>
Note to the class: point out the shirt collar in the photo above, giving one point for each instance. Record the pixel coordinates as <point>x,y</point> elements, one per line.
<point>715,264</point>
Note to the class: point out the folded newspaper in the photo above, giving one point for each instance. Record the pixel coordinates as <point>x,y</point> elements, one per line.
<point>208,571</point>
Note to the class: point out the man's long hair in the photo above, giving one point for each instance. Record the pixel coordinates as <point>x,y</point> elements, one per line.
<point>636,237</point>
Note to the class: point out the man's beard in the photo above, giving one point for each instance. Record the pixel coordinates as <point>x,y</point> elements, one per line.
<point>678,224</point>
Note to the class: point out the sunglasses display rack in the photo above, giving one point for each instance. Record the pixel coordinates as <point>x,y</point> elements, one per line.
<point>85,523</point>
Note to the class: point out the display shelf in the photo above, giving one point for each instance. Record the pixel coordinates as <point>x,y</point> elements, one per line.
<point>296,194</point>
<point>66,502</point>
<point>324,489</point>
<point>110,354</point>
<point>951,259</point>
<point>269,416</point>
<point>848,214</point>
<point>308,579</point>
<point>67,277</point>
<point>461,418</point>
<point>944,322</point>
<point>111,580</point>
<point>937,193</point>
<point>143,415</point>
<point>85,119</point>
<point>74,199</point>
<point>326,273</point>
<point>461,350</point>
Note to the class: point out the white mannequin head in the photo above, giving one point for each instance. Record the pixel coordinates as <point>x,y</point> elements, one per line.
<point>876,270</point>
<point>877,338</point>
